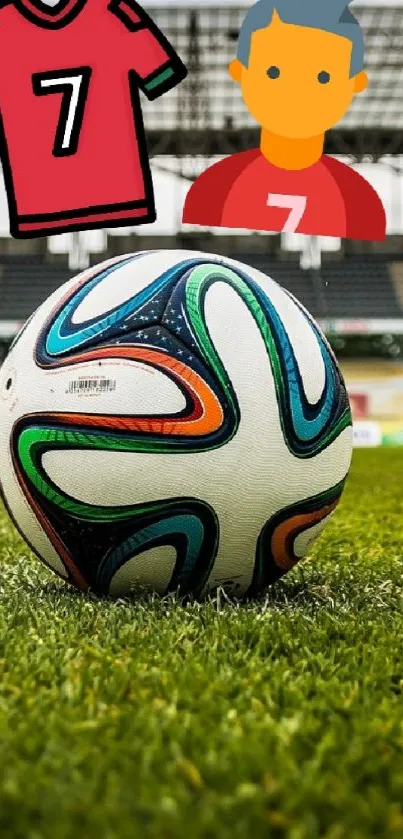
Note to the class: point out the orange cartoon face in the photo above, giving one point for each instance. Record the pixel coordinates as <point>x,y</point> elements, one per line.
<point>297,83</point>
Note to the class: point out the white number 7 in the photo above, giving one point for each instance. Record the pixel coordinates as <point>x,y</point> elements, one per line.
<point>73,84</point>
<point>295,203</point>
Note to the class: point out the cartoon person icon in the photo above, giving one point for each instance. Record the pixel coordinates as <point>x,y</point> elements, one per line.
<point>299,66</point>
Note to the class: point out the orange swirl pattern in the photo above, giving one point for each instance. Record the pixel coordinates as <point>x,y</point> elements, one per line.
<point>205,418</point>
<point>284,535</point>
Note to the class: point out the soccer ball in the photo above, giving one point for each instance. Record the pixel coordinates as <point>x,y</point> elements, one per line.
<point>172,420</point>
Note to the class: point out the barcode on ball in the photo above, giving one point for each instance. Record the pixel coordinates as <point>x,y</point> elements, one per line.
<point>91,386</point>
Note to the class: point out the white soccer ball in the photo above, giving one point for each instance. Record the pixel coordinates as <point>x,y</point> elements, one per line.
<point>174,420</point>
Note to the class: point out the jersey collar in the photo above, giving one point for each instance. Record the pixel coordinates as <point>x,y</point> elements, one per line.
<point>49,17</point>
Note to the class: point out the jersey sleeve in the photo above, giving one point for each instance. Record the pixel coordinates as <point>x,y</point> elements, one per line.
<point>154,62</point>
<point>367,218</point>
<point>365,213</point>
<point>206,199</point>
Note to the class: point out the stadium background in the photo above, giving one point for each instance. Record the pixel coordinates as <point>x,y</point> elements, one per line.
<point>354,289</point>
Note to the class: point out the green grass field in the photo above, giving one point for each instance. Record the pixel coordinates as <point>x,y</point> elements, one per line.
<point>279,719</point>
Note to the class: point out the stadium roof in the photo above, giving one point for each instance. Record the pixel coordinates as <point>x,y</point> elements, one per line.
<point>205,115</point>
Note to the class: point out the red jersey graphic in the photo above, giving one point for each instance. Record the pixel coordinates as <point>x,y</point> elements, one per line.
<point>73,145</point>
<point>326,199</point>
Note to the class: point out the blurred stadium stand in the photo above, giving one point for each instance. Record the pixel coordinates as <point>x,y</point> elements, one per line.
<point>351,288</point>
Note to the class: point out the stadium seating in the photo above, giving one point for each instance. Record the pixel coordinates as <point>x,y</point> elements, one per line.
<point>351,288</point>
<point>25,282</point>
<point>354,287</point>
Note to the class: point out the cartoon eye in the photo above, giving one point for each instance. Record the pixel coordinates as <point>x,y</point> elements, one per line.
<point>323,77</point>
<point>273,72</point>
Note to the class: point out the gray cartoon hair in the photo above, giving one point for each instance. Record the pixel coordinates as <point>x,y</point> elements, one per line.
<point>329,15</point>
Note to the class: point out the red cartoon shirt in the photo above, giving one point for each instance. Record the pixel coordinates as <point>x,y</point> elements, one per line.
<point>73,146</point>
<point>326,199</point>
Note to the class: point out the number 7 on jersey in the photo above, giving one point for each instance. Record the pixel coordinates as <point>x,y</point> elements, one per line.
<point>296,204</point>
<point>73,84</point>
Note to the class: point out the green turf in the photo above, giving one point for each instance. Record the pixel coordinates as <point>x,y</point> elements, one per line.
<point>278,719</point>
